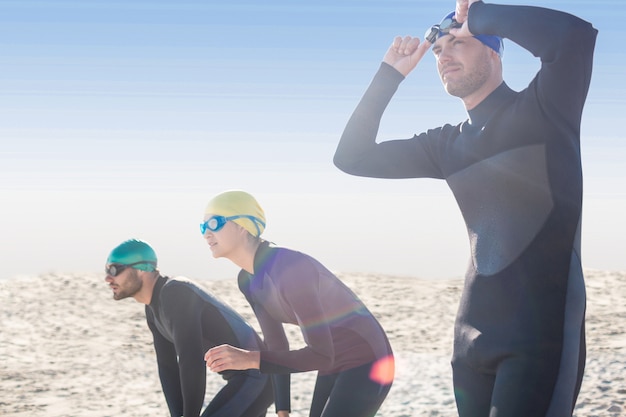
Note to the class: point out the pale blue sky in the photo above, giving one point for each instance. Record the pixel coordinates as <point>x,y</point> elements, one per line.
<point>122,118</point>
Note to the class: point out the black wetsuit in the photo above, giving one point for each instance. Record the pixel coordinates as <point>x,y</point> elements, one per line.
<point>186,321</point>
<point>344,341</point>
<point>515,170</point>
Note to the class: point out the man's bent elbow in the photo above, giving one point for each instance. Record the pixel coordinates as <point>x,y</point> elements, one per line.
<point>345,163</point>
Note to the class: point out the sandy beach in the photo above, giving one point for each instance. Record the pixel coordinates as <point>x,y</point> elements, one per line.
<point>68,349</point>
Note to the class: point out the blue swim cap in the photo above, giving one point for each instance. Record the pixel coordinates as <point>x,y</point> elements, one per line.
<point>134,251</point>
<point>492,41</point>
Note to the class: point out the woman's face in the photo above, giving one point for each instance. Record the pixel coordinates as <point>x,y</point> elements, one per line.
<point>224,241</point>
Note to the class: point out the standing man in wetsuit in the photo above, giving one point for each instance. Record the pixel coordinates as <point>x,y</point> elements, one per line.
<point>514,168</point>
<point>186,321</point>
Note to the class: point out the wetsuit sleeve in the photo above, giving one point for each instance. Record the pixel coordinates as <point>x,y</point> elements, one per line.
<point>358,152</point>
<point>275,340</point>
<point>563,42</point>
<point>168,368</point>
<point>182,310</point>
<point>303,298</point>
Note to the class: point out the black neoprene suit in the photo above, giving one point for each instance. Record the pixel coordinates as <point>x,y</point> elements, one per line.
<point>344,341</point>
<point>515,170</point>
<point>186,321</point>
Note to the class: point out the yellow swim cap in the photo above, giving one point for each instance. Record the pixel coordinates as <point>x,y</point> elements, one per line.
<point>236,203</point>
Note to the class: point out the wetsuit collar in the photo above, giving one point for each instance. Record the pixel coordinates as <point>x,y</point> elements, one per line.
<point>154,301</point>
<point>262,254</point>
<point>479,115</point>
<point>261,257</point>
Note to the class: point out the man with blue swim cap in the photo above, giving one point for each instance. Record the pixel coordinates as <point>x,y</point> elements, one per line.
<point>514,167</point>
<point>449,22</point>
<point>185,321</point>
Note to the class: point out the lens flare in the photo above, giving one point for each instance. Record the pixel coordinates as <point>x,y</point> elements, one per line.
<point>383,370</point>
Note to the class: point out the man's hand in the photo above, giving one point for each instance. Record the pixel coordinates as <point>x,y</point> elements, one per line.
<point>462,9</point>
<point>405,53</point>
<point>283,414</point>
<point>225,357</point>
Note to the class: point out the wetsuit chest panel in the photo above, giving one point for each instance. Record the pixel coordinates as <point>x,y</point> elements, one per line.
<point>268,296</point>
<point>505,200</point>
<point>163,325</point>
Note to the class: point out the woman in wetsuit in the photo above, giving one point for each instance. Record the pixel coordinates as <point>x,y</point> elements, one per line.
<point>344,342</point>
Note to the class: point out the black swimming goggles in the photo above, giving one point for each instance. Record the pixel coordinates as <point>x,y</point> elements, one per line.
<point>441,29</point>
<point>116,269</point>
<point>215,223</point>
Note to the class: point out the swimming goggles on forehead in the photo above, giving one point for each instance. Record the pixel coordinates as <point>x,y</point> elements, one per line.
<point>116,269</point>
<point>441,29</point>
<point>215,223</point>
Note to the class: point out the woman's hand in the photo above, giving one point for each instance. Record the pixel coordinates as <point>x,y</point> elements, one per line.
<point>226,357</point>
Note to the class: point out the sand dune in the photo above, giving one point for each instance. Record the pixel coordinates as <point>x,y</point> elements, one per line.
<point>68,349</point>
